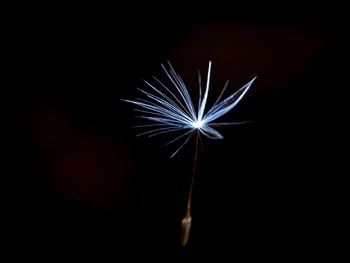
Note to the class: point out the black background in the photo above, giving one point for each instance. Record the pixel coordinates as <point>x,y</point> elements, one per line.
<point>81,182</point>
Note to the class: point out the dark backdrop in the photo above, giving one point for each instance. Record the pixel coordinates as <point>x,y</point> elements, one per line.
<point>81,182</point>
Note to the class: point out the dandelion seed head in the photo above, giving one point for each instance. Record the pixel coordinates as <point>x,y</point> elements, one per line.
<point>170,108</point>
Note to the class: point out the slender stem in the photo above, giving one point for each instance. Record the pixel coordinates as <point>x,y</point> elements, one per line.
<point>189,201</point>
<point>187,220</point>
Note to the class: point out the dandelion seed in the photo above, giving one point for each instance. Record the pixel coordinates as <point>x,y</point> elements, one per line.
<point>171,110</point>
